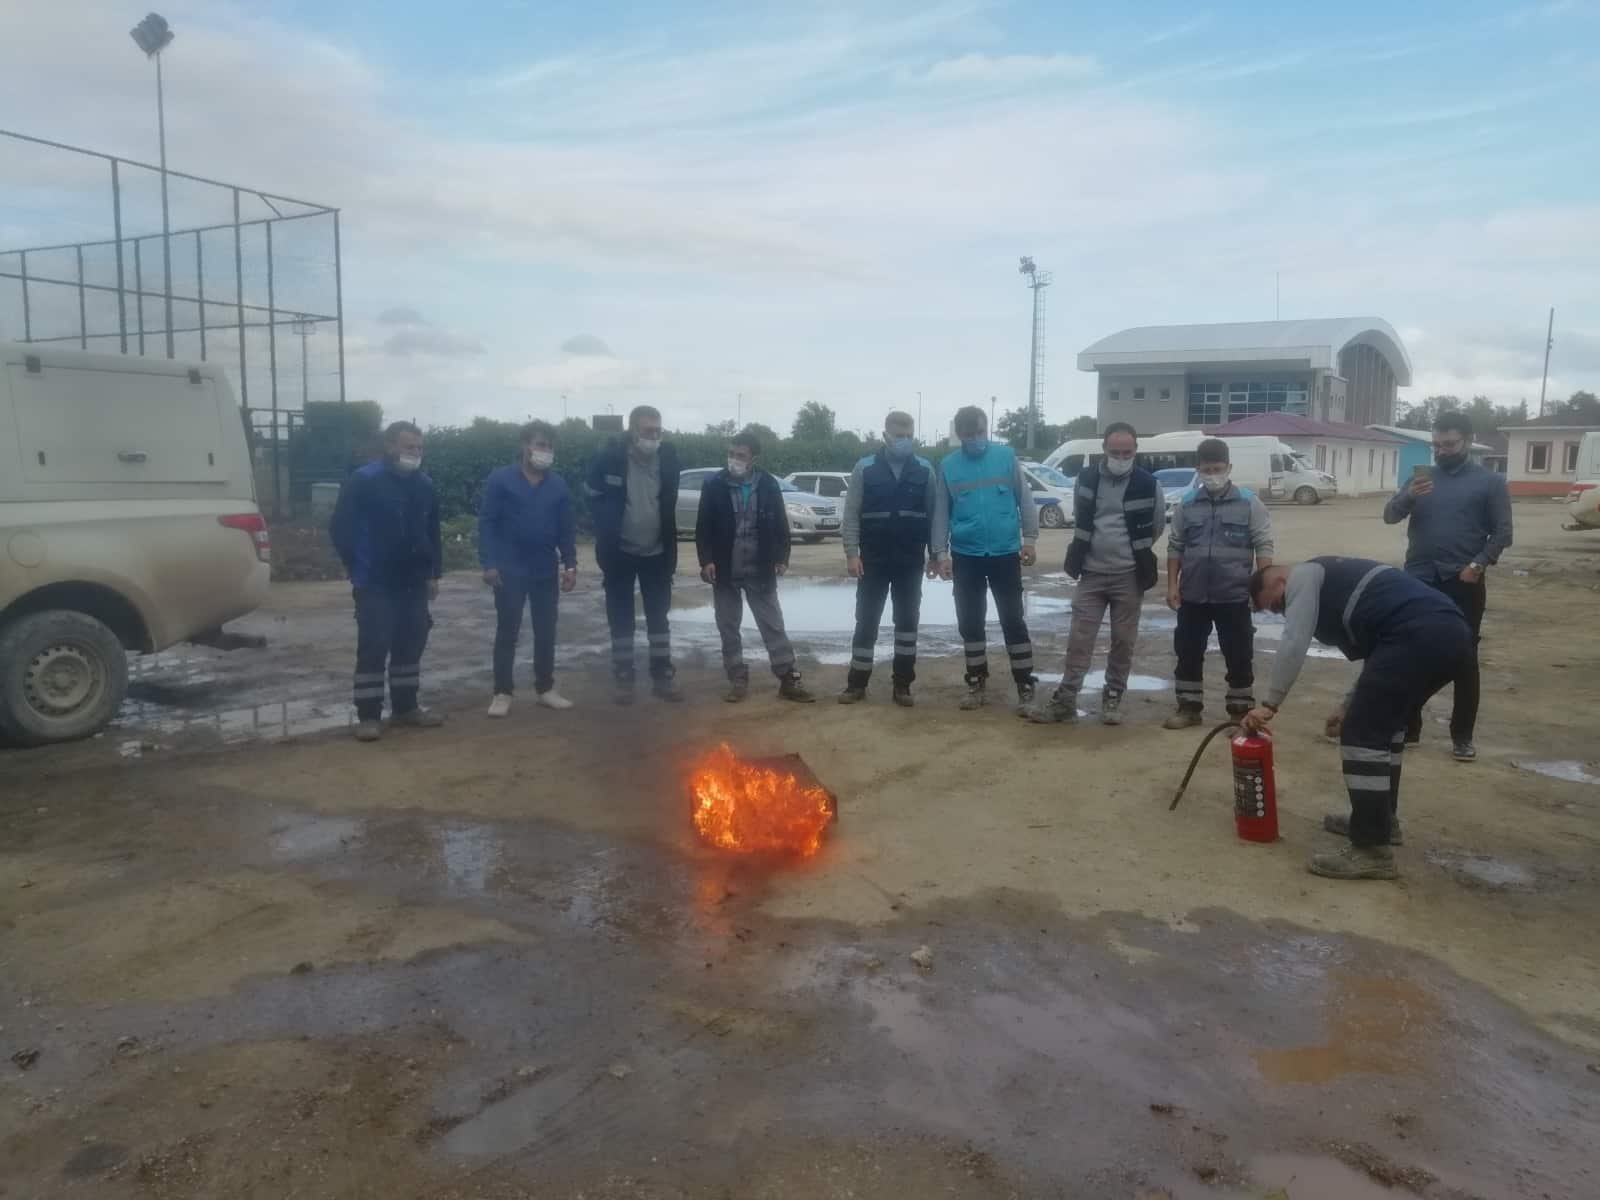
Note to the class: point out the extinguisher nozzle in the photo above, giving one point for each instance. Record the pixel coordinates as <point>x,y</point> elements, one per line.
<point>1195,761</point>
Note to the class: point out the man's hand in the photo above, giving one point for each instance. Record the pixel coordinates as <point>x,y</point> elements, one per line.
<point>491,576</point>
<point>946,569</point>
<point>852,566</point>
<point>1257,719</point>
<point>781,568</point>
<point>709,572</point>
<point>1174,599</point>
<point>433,590</point>
<point>1029,556</point>
<point>1334,725</point>
<point>569,579</point>
<point>1471,574</point>
<point>1421,485</point>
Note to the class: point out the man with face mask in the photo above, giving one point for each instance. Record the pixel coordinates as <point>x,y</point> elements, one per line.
<point>386,530</point>
<point>1119,515</point>
<point>1458,524</point>
<point>633,497</point>
<point>982,534</point>
<point>1220,534</point>
<point>887,523</point>
<point>742,536</point>
<point>1410,640</point>
<point>525,531</point>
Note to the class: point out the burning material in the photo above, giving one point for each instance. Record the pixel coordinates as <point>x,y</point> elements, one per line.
<point>760,805</point>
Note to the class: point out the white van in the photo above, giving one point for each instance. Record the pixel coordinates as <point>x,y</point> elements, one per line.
<point>128,522</point>
<point>1266,465</point>
<point>1583,501</point>
<point>1074,455</point>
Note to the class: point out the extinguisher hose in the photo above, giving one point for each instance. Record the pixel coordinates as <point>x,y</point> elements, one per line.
<point>1195,761</point>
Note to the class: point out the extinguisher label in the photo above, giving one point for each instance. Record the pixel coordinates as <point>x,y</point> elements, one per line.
<point>1249,792</point>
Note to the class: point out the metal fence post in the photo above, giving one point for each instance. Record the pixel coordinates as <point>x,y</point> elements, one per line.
<point>138,289</point>
<point>83,312</point>
<point>338,298</point>
<point>116,220</point>
<point>27,316</point>
<point>200,289</point>
<point>272,371</point>
<point>238,303</point>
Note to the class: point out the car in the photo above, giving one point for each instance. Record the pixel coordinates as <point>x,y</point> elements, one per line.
<point>1175,481</point>
<point>811,517</point>
<point>128,509</point>
<point>1052,494</point>
<point>830,485</point>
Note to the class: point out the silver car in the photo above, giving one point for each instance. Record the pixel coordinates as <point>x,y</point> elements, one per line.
<point>811,518</point>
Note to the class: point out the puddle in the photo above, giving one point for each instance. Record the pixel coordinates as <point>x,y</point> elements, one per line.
<point>1374,1026</point>
<point>830,608</point>
<point>469,853</point>
<point>1481,869</point>
<point>1569,770</point>
<point>314,837</point>
<point>276,719</point>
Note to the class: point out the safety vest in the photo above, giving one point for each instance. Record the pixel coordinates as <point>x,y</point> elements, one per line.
<point>984,516</point>
<point>1360,597</point>
<point>1217,554</point>
<point>894,512</point>
<point>1138,511</point>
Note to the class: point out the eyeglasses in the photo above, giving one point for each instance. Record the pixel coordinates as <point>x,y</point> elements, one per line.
<point>1454,446</point>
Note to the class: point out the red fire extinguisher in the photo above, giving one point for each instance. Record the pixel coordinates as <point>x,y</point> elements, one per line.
<point>1255,796</point>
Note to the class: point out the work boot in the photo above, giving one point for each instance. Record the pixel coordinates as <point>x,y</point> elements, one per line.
<point>977,695</point>
<point>1464,752</point>
<point>1340,823</point>
<point>369,730</point>
<point>1025,696</point>
<point>902,695</point>
<point>1237,708</point>
<point>1111,708</point>
<point>1356,862</point>
<point>852,695</point>
<point>622,692</point>
<point>1058,710</point>
<point>418,718</point>
<point>738,689</point>
<point>790,688</point>
<point>1185,718</point>
<point>500,705</point>
<point>667,689</point>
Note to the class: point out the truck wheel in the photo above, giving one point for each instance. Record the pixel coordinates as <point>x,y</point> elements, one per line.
<point>1307,495</point>
<point>1051,517</point>
<point>62,676</point>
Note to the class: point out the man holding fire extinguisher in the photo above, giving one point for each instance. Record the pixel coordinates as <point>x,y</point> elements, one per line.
<point>1411,641</point>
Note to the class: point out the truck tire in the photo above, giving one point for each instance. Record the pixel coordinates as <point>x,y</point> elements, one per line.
<point>1307,495</point>
<point>62,676</point>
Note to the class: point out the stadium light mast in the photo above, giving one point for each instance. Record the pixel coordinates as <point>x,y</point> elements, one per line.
<point>1037,280</point>
<point>153,35</point>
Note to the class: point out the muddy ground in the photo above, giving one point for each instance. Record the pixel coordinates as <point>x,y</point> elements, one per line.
<point>242,956</point>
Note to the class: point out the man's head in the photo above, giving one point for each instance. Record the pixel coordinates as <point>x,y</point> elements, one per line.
<point>1267,587</point>
<point>539,444</point>
<point>972,427</point>
<point>402,446</point>
<point>1211,462</point>
<point>644,429</point>
<point>899,432</point>
<point>1452,439</point>
<point>743,450</point>
<point>1120,443</point>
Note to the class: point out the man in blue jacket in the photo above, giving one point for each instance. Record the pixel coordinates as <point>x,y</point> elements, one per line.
<point>386,529</point>
<point>524,530</point>
<point>985,525</point>
<point>633,498</point>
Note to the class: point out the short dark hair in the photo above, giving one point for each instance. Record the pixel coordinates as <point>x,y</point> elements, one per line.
<point>1119,427</point>
<point>394,431</point>
<point>1454,421</point>
<point>899,418</point>
<point>970,419</point>
<point>1258,584</point>
<point>748,440</point>
<point>534,429</point>
<point>1211,450</point>
<point>640,413</point>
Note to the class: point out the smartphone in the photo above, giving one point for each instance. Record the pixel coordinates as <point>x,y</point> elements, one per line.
<point>1421,471</point>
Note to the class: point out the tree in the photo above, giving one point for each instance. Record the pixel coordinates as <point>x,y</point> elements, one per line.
<point>814,423</point>
<point>1582,407</point>
<point>765,434</point>
<point>1421,414</point>
<point>1079,427</point>
<point>723,428</point>
<point>1012,428</point>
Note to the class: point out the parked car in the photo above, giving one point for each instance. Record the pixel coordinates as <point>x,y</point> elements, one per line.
<point>1052,494</point>
<point>811,517</point>
<point>128,512</point>
<point>830,485</point>
<point>1583,501</point>
<point>1175,481</point>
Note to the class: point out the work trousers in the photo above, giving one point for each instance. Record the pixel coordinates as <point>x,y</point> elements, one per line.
<point>728,600</point>
<point>542,598</point>
<point>1411,662</point>
<point>1098,591</point>
<point>1002,576</point>
<point>654,577</point>
<point>1471,599</point>
<point>1235,634</point>
<point>881,579</point>
<point>392,626</point>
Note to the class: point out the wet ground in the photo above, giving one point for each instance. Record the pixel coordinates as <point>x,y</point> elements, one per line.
<point>490,960</point>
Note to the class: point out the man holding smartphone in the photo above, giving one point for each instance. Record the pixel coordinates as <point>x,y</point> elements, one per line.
<point>1459,522</point>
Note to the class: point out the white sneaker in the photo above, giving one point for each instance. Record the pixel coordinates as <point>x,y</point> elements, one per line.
<point>553,699</point>
<point>500,705</point>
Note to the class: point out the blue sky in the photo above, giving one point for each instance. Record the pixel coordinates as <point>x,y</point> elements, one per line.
<point>828,201</point>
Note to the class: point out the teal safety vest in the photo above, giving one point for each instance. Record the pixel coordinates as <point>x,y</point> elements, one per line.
<point>984,505</point>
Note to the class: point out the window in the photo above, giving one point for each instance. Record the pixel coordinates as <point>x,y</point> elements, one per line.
<point>1539,457</point>
<point>1349,462</point>
<point>1322,457</point>
<point>1113,396</point>
<point>1166,393</point>
<point>691,481</point>
<point>831,487</point>
<point>1278,467</point>
<point>1569,458</point>
<point>1251,399</point>
<point>1138,393</point>
<point>1372,460</point>
<point>1205,404</point>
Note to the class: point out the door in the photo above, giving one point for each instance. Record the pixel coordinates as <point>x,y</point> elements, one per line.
<point>830,486</point>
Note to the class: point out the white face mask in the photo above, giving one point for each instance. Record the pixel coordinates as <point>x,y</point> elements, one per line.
<point>540,460</point>
<point>646,446</point>
<point>738,468</point>
<point>1118,466</point>
<point>408,463</point>
<point>1216,483</point>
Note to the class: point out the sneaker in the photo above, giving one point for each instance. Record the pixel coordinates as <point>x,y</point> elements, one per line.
<point>738,689</point>
<point>668,690</point>
<point>1464,752</point>
<point>418,718</point>
<point>1057,710</point>
<point>622,692</point>
<point>500,705</point>
<point>369,731</point>
<point>553,699</point>
<point>852,695</point>
<point>1111,710</point>
<point>790,688</point>
<point>1356,862</point>
<point>902,695</point>
<point>1340,823</point>
<point>977,696</point>
<point>1184,718</point>
<point>1025,695</point>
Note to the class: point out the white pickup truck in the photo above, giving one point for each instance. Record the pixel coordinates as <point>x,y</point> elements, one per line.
<point>1583,501</point>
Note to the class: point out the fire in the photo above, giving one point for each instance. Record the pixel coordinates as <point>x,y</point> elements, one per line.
<point>756,808</point>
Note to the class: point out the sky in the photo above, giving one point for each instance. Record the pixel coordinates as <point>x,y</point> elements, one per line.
<point>723,208</point>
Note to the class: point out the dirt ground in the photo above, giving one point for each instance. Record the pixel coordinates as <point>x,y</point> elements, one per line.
<point>243,956</point>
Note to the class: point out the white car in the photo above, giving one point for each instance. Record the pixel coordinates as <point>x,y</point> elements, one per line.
<point>830,485</point>
<point>1583,501</point>
<point>811,518</point>
<point>1052,494</point>
<point>1175,481</point>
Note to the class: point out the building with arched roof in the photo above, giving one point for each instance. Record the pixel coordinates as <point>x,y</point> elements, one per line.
<point>1160,378</point>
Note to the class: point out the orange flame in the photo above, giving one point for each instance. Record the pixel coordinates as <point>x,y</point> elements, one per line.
<point>752,809</point>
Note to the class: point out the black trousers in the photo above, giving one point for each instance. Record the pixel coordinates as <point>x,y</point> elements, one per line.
<point>1002,576</point>
<point>392,626</point>
<point>654,578</point>
<point>1235,634</point>
<point>1411,662</point>
<point>882,578</point>
<point>541,597</point>
<point>1471,599</point>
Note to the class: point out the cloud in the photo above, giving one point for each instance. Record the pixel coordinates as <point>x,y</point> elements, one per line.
<point>435,343</point>
<point>581,373</point>
<point>1172,32</point>
<point>401,315</point>
<point>1010,69</point>
<point>586,344</point>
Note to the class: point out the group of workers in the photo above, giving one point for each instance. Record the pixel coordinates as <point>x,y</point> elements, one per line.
<point>971,520</point>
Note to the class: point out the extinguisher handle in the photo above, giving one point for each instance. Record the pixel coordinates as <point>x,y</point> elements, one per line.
<point>1195,761</point>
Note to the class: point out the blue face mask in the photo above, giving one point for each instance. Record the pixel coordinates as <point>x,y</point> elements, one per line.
<point>900,448</point>
<point>977,446</point>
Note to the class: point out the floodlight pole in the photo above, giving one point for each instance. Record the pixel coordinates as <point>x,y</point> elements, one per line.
<point>166,223</point>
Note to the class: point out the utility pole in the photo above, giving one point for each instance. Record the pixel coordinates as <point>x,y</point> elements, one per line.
<point>991,415</point>
<point>1037,280</point>
<point>1549,340</point>
<point>563,408</point>
<point>153,35</point>
<point>919,412</point>
<point>738,412</point>
<point>1277,308</point>
<point>304,327</point>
